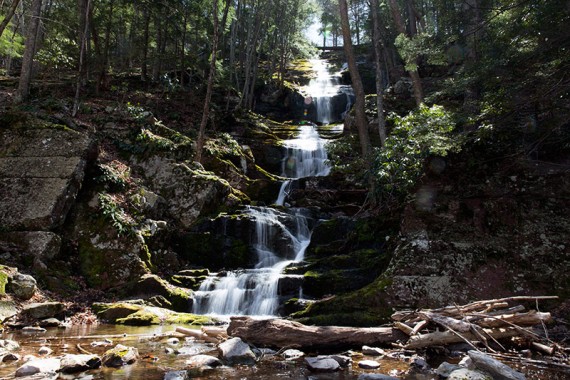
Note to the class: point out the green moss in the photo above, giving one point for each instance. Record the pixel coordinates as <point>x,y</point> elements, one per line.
<point>141,315</point>
<point>3,280</point>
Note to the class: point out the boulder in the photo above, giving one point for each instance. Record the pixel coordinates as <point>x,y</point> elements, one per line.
<point>151,285</point>
<point>468,374</point>
<point>140,314</point>
<point>79,363</point>
<point>9,345</point>
<point>23,286</point>
<point>35,366</point>
<point>235,351</point>
<point>445,369</point>
<point>203,362</point>
<point>322,364</point>
<point>119,356</point>
<point>374,351</point>
<point>45,351</point>
<point>343,361</point>
<point>43,310</point>
<point>41,171</point>
<point>35,247</point>
<point>292,354</point>
<point>495,368</point>
<point>7,309</point>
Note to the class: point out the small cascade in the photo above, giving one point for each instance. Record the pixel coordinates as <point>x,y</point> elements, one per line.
<point>255,291</point>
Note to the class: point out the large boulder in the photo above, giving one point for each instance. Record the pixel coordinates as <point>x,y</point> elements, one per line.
<point>29,249</point>
<point>79,363</point>
<point>43,310</point>
<point>191,192</point>
<point>120,356</point>
<point>23,286</point>
<point>41,171</point>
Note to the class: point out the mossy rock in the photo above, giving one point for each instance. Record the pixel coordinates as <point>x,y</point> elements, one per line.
<point>136,314</point>
<point>190,282</point>
<point>194,272</point>
<point>152,285</point>
<point>363,307</point>
<point>4,276</point>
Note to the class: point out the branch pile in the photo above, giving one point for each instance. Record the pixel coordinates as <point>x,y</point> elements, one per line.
<point>476,323</point>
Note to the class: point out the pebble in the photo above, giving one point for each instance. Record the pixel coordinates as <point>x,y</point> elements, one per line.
<point>369,364</point>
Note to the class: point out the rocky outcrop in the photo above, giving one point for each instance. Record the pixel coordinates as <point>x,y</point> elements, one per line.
<point>41,171</point>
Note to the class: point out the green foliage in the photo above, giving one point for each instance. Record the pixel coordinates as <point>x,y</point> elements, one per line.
<point>421,133</point>
<point>11,43</point>
<point>223,146</point>
<point>421,44</point>
<point>115,175</point>
<point>154,142</point>
<point>114,213</point>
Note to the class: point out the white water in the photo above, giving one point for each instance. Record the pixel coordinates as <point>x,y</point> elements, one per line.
<point>322,88</point>
<point>255,291</point>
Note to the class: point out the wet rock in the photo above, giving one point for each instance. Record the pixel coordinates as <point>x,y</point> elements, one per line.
<point>150,284</point>
<point>9,345</point>
<point>33,330</point>
<point>9,357</point>
<point>44,351</point>
<point>467,374</point>
<point>23,286</point>
<point>292,354</point>
<point>35,366</point>
<point>419,365</point>
<point>119,356</point>
<point>173,341</point>
<point>495,368</point>
<point>322,364</point>
<point>176,375</point>
<point>343,361</point>
<point>235,351</point>
<point>170,351</point>
<point>376,376</point>
<point>203,362</point>
<point>79,363</point>
<point>445,369</point>
<point>368,364</point>
<point>136,314</point>
<point>374,351</point>
<point>466,362</point>
<point>43,310</point>
<point>50,322</point>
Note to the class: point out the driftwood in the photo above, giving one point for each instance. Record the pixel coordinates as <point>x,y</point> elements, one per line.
<point>198,334</point>
<point>283,333</point>
<point>442,338</point>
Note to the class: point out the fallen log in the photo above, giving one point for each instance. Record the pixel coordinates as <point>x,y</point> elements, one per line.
<point>442,338</point>
<point>283,333</point>
<point>198,334</point>
<point>520,319</point>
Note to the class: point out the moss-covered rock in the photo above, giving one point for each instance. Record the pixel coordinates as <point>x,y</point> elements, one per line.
<point>137,314</point>
<point>151,285</point>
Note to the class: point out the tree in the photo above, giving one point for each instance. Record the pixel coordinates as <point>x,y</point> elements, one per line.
<point>360,115</point>
<point>401,28</point>
<point>211,76</point>
<point>376,40</point>
<point>29,53</point>
<point>8,16</point>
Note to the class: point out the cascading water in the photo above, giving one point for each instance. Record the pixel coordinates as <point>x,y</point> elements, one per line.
<point>280,237</point>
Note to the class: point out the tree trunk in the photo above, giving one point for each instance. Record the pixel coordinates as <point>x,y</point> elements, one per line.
<point>84,6</point>
<point>361,121</point>
<point>211,76</point>
<point>401,27</point>
<point>29,52</point>
<point>379,75</point>
<point>472,35</point>
<point>282,333</point>
<point>8,16</point>
<point>144,68</point>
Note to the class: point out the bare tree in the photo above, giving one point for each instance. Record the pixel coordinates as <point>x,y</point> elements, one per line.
<point>29,52</point>
<point>376,38</point>
<point>211,77</point>
<point>361,121</point>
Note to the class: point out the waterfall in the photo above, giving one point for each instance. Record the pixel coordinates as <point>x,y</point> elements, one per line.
<point>280,237</point>
<point>321,89</point>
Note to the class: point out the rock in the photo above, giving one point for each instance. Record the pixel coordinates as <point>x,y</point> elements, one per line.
<point>292,354</point>
<point>79,363</point>
<point>173,341</point>
<point>170,351</point>
<point>176,375</point>
<point>23,286</point>
<point>374,351</point>
<point>467,374</point>
<point>10,357</point>
<point>445,369</point>
<point>419,365</point>
<point>203,361</point>
<point>7,309</point>
<point>135,314</point>
<point>322,364</point>
<point>150,284</point>
<point>33,330</point>
<point>235,351</point>
<point>43,310</point>
<point>50,322</point>
<point>44,351</point>
<point>376,376</point>
<point>495,368</point>
<point>119,356</point>
<point>343,361</point>
<point>35,247</point>
<point>368,364</point>
<point>466,362</point>
<point>41,171</point>
<point>34,366</point>
<point>9,345</point>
